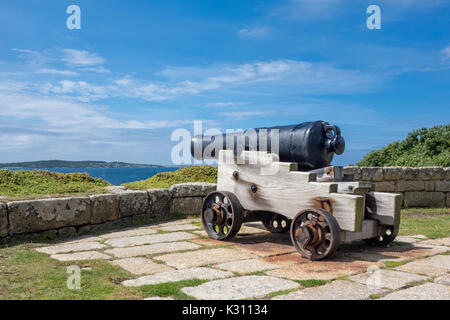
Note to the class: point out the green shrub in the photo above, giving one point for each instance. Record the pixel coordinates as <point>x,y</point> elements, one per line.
<point>29,183</point>
<point>422,147</point>
<point>166,179</point>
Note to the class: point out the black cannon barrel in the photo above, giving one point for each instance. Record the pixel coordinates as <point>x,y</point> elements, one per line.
<point>311,144</point>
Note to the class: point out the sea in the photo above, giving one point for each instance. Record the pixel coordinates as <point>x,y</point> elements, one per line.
<point>115,176</point>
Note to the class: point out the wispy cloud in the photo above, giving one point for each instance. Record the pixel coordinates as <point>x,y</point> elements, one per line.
<point>57,72</point>
<point>81,58</point>
<point>254,32</point>
<point>306,77</point>
<point>445,53</point>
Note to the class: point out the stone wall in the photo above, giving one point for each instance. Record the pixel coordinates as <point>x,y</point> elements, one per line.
<point>421,187</point>
<point>67,217</point>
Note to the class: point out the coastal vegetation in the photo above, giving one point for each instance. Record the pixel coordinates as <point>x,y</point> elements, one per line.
<point>166,179</point>
<point>34,183</point>
<point>422,147</point>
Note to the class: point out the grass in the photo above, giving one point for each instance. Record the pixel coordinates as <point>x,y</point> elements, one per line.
<point>394,264</point>
<point>430,222</point>
<point>25,184</point>
<point>312,283</point>
<point>167,179</point>
<point>28,274</point>
<point>279,293</point>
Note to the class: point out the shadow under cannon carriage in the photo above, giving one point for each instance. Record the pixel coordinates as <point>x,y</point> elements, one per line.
<point>321,208</point>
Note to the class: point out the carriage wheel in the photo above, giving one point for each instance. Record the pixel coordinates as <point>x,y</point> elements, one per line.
<point>387,236</point>
<point>277,223</point>
<point>222,215</point>
<point>315,233</point>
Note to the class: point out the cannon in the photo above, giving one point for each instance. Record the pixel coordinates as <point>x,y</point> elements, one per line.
<point>294,189</point>
<point>310,144</point>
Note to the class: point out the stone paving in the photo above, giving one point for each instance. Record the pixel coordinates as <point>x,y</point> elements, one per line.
<point>258,264</point>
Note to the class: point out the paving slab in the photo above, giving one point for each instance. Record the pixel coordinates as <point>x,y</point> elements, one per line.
<point>374,257</point>
<point>203,257</point>
<point>426,291</point>
<point>433,266</point>
<point>285,260</point>
<point>410,238</point>
<point>437,242</point>
<point>247,266</point>
<point>201,233</point>
<point>128,233</point>
<point>320,270</point>
<point>82,239</point>
<point>239,288</point>
<point>85,255</point>
<point>383,278</point>
<point>175,222</point>
<point>445,279</point>
<point>159,298</point>
<point>414,251</point>
<point>151,249</point>
<point>149,239</point>
<point>71,247</point>
<point>336,290</point>
<point>265,249</point>
<point>141,265</point>
<point>178,275</point>
<point>248,230</point>
<point>179,227</point>
<point>211,242</point>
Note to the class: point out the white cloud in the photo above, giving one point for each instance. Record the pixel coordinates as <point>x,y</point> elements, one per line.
<point>445,53</point>
<point>81,58</point>
<point>57,72</point>
<point>254,32</point>
<point>306,77</point>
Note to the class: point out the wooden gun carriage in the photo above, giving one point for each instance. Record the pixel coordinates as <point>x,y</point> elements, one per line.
<point>321,208</point>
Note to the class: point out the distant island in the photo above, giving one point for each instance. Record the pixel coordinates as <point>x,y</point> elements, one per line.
<point>75,164</point>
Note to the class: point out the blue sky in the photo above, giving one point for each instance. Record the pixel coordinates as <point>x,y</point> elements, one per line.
<point>137,70</point>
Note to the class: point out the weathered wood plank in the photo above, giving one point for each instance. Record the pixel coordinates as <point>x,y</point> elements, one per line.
<point>369,230</point>
<point>384,207</point>
<point>286,192</point>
